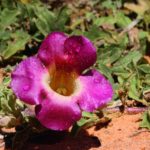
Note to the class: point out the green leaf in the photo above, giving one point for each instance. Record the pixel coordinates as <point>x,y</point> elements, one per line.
<point>8,4</point>
<point>42,26</point>
<point>143,34</point>
<point>120,80</point>
<point>147,79</point>
<point>108,4</point>
<point>86,119</point>
<point>106,71</point>
<point>132,56</point>
<point>8,17</point>
<point>3,46</point>
<point>10,108</point>
<point>60,20</point>
<point>93,33</point>
<point>145,120</point>
<point>133,89</point>
<point>109,54</point>
<point>44,18</point>
<point>5,35</point>
<point>20,40</point>
<point>104,20</point>
<point>82,122</point>
<point>121,19</point>
<point>6,80</point>
<point>87,114</point>
<point>114,55</point>
<point>120,71</point>
<point>137,57</point>
<point>144,68</point>
<point>5,106</point>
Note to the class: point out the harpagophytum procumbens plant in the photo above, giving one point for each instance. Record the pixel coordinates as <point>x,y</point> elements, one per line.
<point>53,81</point>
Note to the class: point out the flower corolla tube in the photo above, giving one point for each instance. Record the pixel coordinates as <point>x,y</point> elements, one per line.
<point>53,81</point>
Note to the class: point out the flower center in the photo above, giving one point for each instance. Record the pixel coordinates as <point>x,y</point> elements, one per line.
<point>63,82</point>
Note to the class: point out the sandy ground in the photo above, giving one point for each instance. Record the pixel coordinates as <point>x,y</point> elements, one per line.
<point>122,133</point>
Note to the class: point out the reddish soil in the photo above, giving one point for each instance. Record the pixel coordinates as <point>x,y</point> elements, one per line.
<point>122,133</point>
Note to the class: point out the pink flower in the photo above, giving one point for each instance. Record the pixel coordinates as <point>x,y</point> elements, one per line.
<point>53,81</point>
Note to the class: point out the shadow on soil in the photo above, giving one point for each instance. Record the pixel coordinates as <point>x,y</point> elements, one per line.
<point>62,141</point>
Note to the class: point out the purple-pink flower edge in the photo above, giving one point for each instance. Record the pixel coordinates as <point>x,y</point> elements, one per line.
<point>53,81</point>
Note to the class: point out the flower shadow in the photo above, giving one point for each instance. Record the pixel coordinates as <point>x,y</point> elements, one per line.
<point>63,141</point>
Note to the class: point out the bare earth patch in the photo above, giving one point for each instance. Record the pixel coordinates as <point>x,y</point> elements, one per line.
<point>122,133</point>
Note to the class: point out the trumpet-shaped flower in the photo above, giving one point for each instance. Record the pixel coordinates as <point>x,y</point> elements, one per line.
<point>53,81</point>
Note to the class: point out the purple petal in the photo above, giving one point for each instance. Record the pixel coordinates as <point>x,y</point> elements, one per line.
<point>80,52</point>
<point>27,80</point>
<point>97,91</point>
<point>52,47</point>
<point>58,112</point>
<point>73,53</point>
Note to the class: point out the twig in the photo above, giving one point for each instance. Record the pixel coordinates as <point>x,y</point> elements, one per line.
<point>130,110</point>
<point>138,132</point>
<point>130,26</point>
